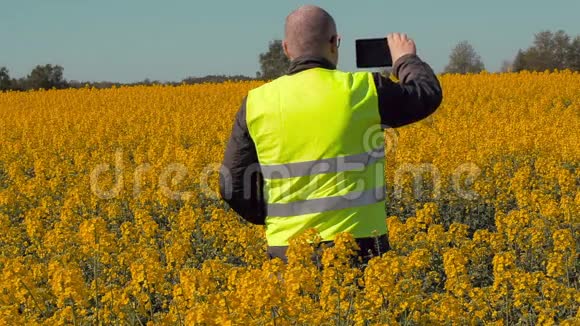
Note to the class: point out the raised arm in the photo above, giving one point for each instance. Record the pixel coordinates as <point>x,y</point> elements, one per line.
<point>418,92</point>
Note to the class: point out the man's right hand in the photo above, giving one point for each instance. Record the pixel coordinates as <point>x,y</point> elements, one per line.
<point>400,45</point>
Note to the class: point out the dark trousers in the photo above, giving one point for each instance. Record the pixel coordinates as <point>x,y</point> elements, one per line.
<point>369,248</point>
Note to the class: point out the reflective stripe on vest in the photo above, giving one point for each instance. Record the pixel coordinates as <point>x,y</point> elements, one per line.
<point>316,138</point>
<point>351,199</point>
<point>329,165</point>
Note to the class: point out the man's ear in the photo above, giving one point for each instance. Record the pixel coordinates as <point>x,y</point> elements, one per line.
<point>333,49</point>
<point>286,52</point>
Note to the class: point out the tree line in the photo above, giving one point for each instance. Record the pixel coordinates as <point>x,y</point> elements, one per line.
<point>51,76</point>
<point>42,76</point>
<point>549,51</point>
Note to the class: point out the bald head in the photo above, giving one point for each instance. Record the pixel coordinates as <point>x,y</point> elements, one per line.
<point>308,31</point>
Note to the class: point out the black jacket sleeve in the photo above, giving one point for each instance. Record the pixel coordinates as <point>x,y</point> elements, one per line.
<point>416,95</point>
<point>241,179</point>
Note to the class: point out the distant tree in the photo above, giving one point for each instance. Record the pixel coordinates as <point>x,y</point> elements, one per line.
<point>145,81</point>
<point>75,84</point>
<point>102,84</point>
<point>573,54</point>
<point>5,82</point>
<point>541,55</point>
<point>561,45</point>
<point>273,63</point>
<point>519,61</point>
<point>19,84</point>
<point>506,66</point>
<point>463,59</point>
<point>549,51</point>
<point>46,76</point>
<point>214,79</point>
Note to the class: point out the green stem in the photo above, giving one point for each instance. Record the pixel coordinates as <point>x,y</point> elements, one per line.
<point>95,274</point>
<point>42,311</point>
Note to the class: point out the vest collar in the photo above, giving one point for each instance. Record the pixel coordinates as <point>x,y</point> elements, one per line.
<point>308,62</point>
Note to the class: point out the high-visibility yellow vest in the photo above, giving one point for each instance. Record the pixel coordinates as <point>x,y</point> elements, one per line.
<point>321,151</point>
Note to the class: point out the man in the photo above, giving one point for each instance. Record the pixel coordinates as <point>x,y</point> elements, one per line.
<point>301,152</point>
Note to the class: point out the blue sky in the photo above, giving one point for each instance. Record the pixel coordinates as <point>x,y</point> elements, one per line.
<point>129,40</point>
